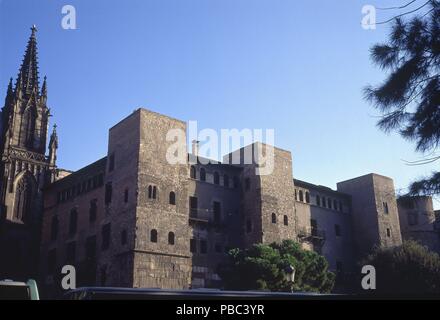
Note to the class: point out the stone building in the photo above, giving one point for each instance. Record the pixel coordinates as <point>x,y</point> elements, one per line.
<point>418,221</point>
<point>135,219</point>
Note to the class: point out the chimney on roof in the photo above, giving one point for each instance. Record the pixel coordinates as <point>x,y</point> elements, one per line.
<point>195,147</point>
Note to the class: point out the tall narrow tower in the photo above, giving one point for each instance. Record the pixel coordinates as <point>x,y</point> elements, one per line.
<point>24,167</point>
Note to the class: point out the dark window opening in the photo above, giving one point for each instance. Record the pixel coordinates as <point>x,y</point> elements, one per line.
<point>93,210</point>
<point>274,218</point>
<point>385,207</point>
<point>172,198</point>
<point>301,196</point>
<point>286,220</point>
<point>307,197</point>
<point>105,232</point>
<point>216,178</point>
<point>217,212</point>
<point>318,201</point>
<point>153,235</point>
<point>193,172</point>
<point>171,238</point>
<point>202,174</point>
<point>193,206</point>
<point>73,221</point>
<point>192,245</point>
<point>126,196</point>
<point>108,192</point>
<point>154,192</point>
<point>54,228</point>
<point>226,181</point>
<point>388,232</point>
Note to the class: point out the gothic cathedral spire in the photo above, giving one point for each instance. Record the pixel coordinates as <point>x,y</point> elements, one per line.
<point>24,168</point>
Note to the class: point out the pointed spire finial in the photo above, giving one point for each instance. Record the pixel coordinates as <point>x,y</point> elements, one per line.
<point>28,74</point>
<point>44,87</point>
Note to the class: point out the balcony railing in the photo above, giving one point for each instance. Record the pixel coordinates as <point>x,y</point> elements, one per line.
<point>204,216</point>
<point>311,233</point>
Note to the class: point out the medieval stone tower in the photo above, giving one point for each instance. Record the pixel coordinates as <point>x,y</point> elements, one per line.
<point>24,167</point>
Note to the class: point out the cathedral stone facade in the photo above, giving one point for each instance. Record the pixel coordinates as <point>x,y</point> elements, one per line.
<point>134,219</point>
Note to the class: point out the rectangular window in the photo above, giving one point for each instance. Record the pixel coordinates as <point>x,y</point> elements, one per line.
<point>108,192</point>
<point>106,231</point>
<point>203,246</point>
<point>192,245</point>
<point>193,204</point>
<point>126,195</point>
<point>217,212</point>
<point>388,232</point>
<point>93,210</point>
<point>385,208</point>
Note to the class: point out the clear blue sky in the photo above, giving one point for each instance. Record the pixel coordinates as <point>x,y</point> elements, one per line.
<point>296,66</point>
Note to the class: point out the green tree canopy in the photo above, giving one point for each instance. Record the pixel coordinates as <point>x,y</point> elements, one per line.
<point>409,98</point>
<point>409,269</point>
<point>265,267</point>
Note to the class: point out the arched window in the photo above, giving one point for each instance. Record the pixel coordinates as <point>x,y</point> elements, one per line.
<point>274,218</point>
<point>301,196</point>
<point>193,172</point>
<point>335,205</point>
<point>172,198</point>
<point>216,178</point>
<point>226,180</point>
<point>171,238</point>
<point>153,235</point>
<point>150,192</point>
<point>202,174</point>
<point>24,198</point>
<point>154,192</point>
<point>324,203</point>
<point>54,228</point>
<point>307,197</point>
<point>286,220</point>
<point>318,200</point>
